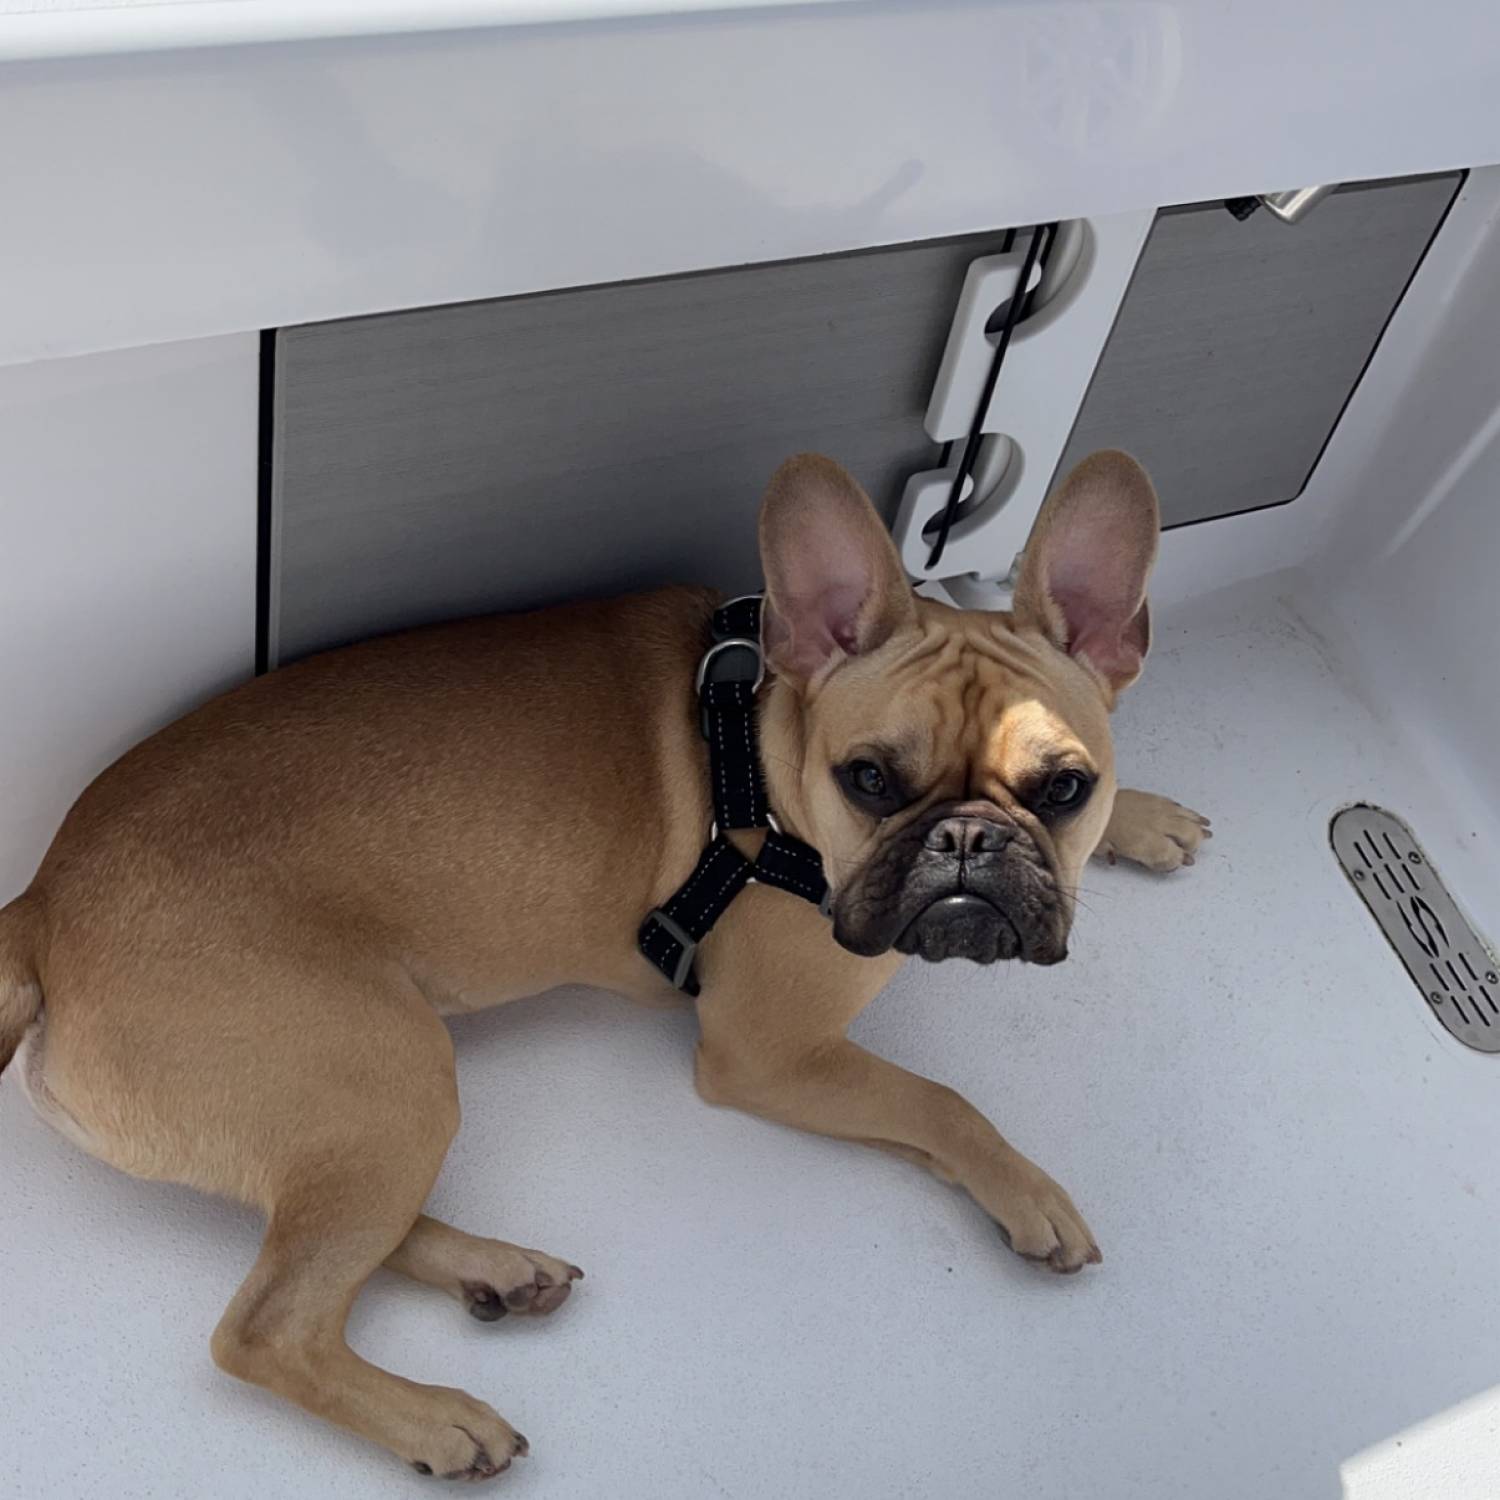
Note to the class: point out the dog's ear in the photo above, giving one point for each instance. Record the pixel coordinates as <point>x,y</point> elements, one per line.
<point>1083,575</point>
<point>835,586</point>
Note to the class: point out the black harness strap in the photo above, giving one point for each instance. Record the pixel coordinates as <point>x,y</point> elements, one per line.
<point>729,679</point>
<point>729,720</point>
<point>790,865</point>
<point>670,935</point>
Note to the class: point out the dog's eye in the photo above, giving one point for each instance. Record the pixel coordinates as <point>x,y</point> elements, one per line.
<point>1066,790</point>
<point>870,787</point>
<point>868,779</point>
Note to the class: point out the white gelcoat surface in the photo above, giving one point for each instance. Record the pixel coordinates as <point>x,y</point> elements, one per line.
<point>1454,1456</point>
<point>81,28</point>
<point>127,564</point>
<point>1285,1159</point>
<point>174,195</point>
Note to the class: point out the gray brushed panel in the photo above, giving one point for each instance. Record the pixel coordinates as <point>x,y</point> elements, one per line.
<point>1237,345</point>
<point>497,455</point>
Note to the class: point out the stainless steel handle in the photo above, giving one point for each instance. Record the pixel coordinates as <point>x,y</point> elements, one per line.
<point>1291,206</point>
<point>1295,204</point>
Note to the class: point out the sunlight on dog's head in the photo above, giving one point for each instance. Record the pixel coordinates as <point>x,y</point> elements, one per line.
<point>953,767</point>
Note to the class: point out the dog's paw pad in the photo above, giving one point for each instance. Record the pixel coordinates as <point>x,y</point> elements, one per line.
<point>483,1302</point>
<point>528,1283</point>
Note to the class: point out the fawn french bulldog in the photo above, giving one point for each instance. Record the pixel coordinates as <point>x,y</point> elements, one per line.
<point>231,968</point>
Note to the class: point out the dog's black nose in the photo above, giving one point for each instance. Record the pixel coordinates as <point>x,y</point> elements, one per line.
<point>967,836</point>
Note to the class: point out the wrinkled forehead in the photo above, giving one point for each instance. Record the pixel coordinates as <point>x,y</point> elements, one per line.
<point>968,691</point>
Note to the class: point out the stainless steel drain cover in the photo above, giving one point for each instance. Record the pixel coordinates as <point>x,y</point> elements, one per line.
<point>1451,963</point>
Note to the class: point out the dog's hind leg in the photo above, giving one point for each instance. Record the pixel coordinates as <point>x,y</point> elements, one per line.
<point>299,1076</point>
<point>341,1200</point>
<point>284,1330</point>
<point>490,1277</point>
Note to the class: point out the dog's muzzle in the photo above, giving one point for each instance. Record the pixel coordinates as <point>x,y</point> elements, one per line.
<point>964,882</point>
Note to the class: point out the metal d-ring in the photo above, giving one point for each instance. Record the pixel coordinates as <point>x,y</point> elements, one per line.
<point>734,642</point>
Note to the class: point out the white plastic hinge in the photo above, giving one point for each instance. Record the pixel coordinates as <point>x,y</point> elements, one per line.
<point>1050,362</point>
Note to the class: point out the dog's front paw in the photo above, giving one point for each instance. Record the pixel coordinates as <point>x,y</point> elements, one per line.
<point>1038,1221</point>
<point>1152,831</point>
<point>456,1437</point>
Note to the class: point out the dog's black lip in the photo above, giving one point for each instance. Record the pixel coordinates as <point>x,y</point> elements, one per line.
<point>954,899</point>
<point>961,904</point>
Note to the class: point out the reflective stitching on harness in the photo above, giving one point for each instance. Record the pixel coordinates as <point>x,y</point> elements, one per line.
<point>727,884</point>
<point>739,789</point>
<point>750,759</point>
<point>705,865</point>
<point>671,942</point>
<point>792,852</point>
<point>723,798</point>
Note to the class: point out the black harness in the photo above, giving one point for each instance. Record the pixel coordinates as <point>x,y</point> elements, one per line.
<point>729,677</point>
